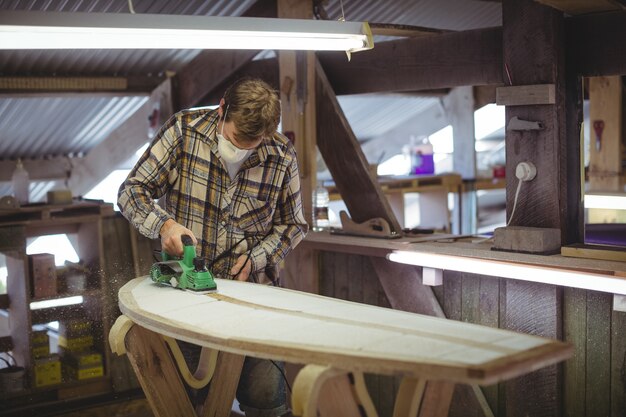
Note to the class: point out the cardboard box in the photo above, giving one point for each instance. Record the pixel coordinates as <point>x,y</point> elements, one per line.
<point>47,371</point>
<point>43,275</point>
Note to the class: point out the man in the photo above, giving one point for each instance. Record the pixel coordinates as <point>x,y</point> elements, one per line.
<point>232,183</point>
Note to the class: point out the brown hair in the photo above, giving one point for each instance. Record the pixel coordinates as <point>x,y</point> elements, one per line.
<point>254,107</point>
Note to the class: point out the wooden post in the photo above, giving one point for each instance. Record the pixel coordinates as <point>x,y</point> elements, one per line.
<point>297,93</point>
<point>533,53</point>
<point>460,111</point>
<point>533,41</point>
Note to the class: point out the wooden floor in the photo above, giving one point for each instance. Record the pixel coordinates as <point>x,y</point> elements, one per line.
<point>131,408</point>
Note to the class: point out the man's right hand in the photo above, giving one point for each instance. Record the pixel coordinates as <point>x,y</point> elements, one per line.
<point>170,237</point>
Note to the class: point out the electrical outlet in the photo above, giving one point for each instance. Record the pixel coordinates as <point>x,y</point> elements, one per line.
<point>526,171</point>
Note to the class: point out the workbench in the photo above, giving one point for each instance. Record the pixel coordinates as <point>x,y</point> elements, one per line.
<point>336,341</point>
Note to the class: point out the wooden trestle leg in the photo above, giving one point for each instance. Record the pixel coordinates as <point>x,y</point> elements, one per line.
<point>326,392</point>
<point>163,382</point>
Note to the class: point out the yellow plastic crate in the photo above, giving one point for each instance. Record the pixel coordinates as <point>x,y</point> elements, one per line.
<point>47,371</point>
<point>73,373</point>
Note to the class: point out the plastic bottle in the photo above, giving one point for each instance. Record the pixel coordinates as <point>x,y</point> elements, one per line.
<point>422,161</point>
<point>20,182</point>
<point>320,208</point>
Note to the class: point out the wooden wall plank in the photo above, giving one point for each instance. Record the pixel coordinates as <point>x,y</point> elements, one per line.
<point>618,364</point>
<point>598,366</point>
<point>455,59</point>
<point>575,332</point>
<point>534,309</point>
<point>489,315</point>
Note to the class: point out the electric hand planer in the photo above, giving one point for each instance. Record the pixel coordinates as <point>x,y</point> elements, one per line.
<point>189,273</point>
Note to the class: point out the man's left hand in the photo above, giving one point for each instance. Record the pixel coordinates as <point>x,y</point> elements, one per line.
<point>245,264</point>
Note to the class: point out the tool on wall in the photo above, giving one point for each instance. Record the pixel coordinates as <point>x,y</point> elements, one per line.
<point>598,128</point>
<point>519,124</point>
<point>189,273</point>
<point>376,227</point>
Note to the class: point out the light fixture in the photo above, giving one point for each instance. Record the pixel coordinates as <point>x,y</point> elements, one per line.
<point>534,273</point>
<point>57,30</point>
<point>605,201</point>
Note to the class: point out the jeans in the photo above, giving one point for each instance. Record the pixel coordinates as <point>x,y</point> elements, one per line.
<point>261,390</point>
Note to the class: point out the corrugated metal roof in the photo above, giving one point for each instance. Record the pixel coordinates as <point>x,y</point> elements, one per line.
<point>113,62</point>
<point>37,126</point>
<point>373,115</point>
<point>437,14</point>
<point>52,126</point>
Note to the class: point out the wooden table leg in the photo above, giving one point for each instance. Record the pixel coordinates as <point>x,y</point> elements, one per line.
<point>417,397</point>
<point>162,380</point>
<point>326,392</point>
<point>437,399</point>
<point>223,386</point>
<point>157,374</point>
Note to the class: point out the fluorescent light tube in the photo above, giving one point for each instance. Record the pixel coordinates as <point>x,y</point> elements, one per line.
<point>567,278</point>
<point>607,201</point>
<point>55,30</point>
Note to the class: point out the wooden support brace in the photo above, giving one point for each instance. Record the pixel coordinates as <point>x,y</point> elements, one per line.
<point>409,397</point>
<point>206,365</point>
<point>117,334</point>
<point>157,374</point>
<point>325,392</point>
<point>524,95</point>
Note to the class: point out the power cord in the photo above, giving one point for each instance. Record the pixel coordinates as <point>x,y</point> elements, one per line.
<point>524,172</point>
<point>283,375</point>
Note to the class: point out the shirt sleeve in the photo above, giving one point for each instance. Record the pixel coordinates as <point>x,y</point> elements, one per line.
<point>151,177</point>
<point>289,224</point>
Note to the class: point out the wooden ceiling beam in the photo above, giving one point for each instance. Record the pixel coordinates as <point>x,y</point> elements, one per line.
<point>131,85</point>
<point>39,169</point>
<point>576,7</point>
<point>389,29</point>
<point>212,67</point>
<point>120,145</point>
<point>447,60</point>
<point>265,69</point>
<point>595,44</point>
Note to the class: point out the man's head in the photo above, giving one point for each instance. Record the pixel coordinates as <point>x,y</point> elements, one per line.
<point>250,110</point>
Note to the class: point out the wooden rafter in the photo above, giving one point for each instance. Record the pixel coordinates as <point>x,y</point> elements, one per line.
<point>575,7</point>
<point>212,67</point>
<point>337,144</point>
<point>446,60</point>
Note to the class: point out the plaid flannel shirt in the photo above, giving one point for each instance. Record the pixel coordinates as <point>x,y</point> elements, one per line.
<point>259,210</point>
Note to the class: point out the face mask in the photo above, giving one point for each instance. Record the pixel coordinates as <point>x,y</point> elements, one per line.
<point>229,152</point>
